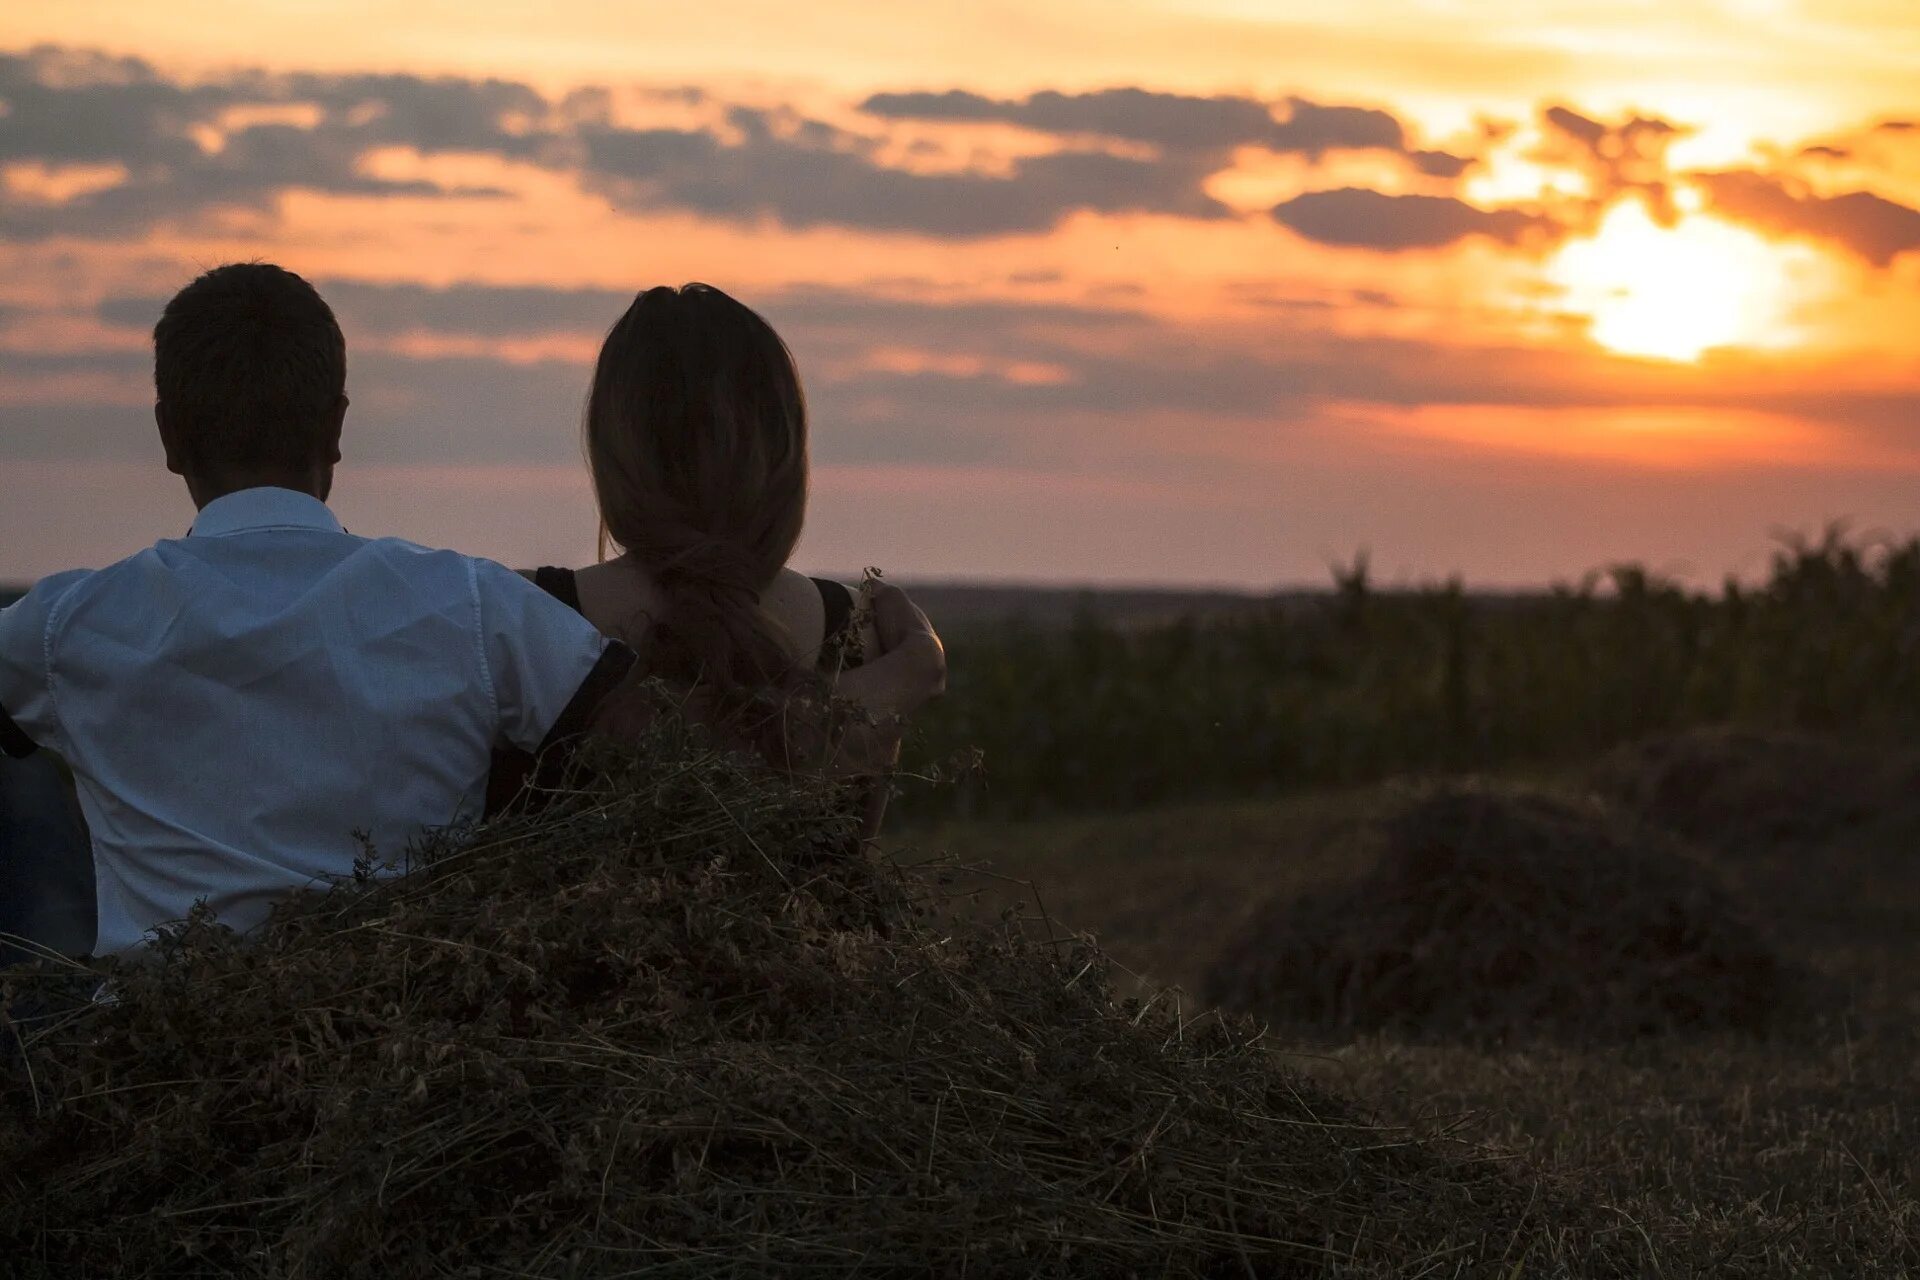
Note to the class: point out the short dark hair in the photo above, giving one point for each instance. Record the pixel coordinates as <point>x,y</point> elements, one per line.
<point>249,365</point>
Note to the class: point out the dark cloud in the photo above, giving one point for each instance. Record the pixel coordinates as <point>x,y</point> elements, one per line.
<point>494,311</point>
<point>316,132</point>
<point>1173,120</point>
<point>1117,371</point>
<point>1637,134</point>
<point>68,107</point>
<point>1440,164</point>
<point>807,173</point>
<point>1367,219</point>
<point>815,316</point>
<point>1623,157</point>
<point>405,410</point>
<point>1313,128</point>
<point>466,310</point>
<point>1871,226</point>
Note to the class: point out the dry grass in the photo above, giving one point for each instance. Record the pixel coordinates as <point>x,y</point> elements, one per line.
<point>1496,912</point>
<point>676,1026</point>
<point>1756,794</point>
<point>1719,1154</point>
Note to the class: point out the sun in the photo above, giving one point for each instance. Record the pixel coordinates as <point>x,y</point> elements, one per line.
<point>1675,292</point>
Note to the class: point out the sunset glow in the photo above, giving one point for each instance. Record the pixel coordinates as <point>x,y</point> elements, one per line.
<point>1676,291</point>
<point>1166,290</point>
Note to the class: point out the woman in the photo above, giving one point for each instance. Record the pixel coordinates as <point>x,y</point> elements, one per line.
<point>696,435</point>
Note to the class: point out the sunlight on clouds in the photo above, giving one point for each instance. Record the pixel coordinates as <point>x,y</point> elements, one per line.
<point>1655,437</point>
<point>1507,175</point>
<point>913,360</point>
<point>421,344</point>
<point>57,184</point>
<point>1259,179</point>
<point>1676,292</point>
<point>1134,330</point>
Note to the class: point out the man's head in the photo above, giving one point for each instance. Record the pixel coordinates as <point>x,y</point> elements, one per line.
<point>250,371</point>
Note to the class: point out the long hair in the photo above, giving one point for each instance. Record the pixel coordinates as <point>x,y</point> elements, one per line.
<point>696,433</point>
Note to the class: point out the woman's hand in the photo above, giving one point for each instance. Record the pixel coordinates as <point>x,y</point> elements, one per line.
<point>910,671</point>
<point>906,636</point>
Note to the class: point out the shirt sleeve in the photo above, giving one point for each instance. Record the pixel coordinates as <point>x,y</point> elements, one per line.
<point>549,667</point>
<point>27,715</point>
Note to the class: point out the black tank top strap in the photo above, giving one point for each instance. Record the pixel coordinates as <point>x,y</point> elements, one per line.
<point>560,584</point>
<point>838,648</point>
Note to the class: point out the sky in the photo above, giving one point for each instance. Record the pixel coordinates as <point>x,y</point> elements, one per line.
<point>1192,292</point>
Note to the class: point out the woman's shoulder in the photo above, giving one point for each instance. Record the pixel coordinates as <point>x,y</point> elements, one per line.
<point>616,598</point>
<point>621,601</point>
<point>794,601</point>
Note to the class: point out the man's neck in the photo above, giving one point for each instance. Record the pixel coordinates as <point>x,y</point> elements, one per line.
<point>207,489</point>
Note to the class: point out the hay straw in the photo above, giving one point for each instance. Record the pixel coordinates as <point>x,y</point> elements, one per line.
<point>1496,912</point>
<point>676,1026</point>
<point>1755,794</point>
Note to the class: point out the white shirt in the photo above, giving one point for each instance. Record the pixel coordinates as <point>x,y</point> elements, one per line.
<point>238,703</point>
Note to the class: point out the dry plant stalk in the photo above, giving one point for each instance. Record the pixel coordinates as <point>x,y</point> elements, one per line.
<point>677,1025</point>
<point>1494,912</point>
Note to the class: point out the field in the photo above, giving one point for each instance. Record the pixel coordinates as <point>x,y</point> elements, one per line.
<point>1156,785</point>
<point>1720,1154</point>
<point>1577,930</point>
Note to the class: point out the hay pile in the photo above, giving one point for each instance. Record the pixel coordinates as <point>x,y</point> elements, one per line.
<point>1755,794</point>
<point>672,1027</point>
<point>1495,912</point>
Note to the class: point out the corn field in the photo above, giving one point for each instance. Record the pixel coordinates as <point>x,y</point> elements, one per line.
<point>1366,684</point>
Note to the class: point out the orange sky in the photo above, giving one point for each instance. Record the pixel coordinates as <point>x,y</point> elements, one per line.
<point>1189,290</point>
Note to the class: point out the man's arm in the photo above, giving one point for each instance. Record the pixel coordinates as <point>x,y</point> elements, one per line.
<point>27,715</point>
<point>550,669</point>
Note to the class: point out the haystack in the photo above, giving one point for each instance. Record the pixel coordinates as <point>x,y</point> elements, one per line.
<point>1755,794</point>
<point>675,1026</point>
<point>1487,911</point>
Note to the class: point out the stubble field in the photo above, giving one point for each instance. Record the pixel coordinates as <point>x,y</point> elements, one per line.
<point>1199,797</point>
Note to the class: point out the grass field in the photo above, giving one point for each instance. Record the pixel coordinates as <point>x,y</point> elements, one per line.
<point>1357,684</point>
<point>1160,770</point>
<point>1796,1154</point>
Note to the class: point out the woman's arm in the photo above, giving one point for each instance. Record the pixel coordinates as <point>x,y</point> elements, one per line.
<point>918,674</point>
<point>910,671</point>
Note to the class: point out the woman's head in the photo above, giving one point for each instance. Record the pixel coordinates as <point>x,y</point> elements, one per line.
<point>697,441</point>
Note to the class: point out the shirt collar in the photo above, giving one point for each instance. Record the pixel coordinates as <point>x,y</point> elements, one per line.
<point>250,510</point>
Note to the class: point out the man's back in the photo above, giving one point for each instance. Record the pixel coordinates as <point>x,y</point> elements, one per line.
<point>242,704</point>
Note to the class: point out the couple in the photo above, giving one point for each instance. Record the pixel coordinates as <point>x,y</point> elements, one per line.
<point>239,707</point>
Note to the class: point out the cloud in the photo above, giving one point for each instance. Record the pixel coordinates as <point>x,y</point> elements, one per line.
<point>1120,377</point>
<point>1358,217</point>
<point>182,154</point>
<point>1625,156</point>
<point>806,173</point>
<point>1173,120</point>
<point>1440,164</point>
<point>1637,134</point>
<point>168,150</point>
<point>1875,228</point>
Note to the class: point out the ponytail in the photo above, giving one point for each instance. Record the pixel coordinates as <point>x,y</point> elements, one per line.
<point>696,436</point>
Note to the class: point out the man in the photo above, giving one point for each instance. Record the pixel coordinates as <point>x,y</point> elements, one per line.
<point>241,706</point>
